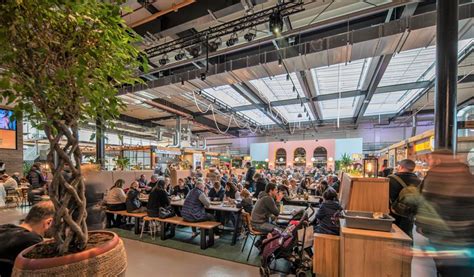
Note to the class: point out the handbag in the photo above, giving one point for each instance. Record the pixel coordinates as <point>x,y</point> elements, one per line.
<point>166,212</point>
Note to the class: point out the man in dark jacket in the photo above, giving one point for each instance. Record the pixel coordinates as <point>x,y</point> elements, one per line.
<point>249,182</point>
<point>404,174</point>
<point>266,207</point>
<point>327,210</point>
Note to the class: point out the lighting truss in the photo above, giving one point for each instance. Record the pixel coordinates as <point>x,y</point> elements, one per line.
<point>246,22</point>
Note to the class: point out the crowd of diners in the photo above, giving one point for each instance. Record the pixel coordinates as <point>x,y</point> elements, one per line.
<point>257,192</point>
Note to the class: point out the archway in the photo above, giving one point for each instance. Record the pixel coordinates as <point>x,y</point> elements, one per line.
<point>320,157</point>
<point>280,158</point>
<point>300,157</point>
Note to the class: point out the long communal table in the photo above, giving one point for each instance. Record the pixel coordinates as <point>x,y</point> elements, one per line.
<point>220,207</point>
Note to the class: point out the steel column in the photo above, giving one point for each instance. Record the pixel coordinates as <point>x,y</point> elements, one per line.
<point>446,74</point>
<point>100,143</point>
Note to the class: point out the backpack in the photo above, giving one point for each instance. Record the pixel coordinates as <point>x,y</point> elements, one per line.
<point>408,200</point>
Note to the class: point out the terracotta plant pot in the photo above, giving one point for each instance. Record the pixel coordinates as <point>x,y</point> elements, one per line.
<point>107,259</point>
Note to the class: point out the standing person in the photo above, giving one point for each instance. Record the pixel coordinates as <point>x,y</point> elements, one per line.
<point>260,184</point>
<point>398,182</point>
<point>446,216</point>
<point>16,238</point>
<point>265,208</point>
<point>249,182</point>
<point>133,203</point>
<point>195,204</point>
<point>158,199</point>
<point>35,178</point>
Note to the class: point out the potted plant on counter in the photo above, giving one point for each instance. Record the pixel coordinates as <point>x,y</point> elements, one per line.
<point>61,64</point>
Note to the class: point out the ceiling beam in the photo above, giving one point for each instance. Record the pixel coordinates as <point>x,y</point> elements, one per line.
<point>307,84</point>
<point>180,111</point>
<point>250,93</point>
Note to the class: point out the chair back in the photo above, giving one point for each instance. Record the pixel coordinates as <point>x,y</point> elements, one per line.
<point>247,221</point>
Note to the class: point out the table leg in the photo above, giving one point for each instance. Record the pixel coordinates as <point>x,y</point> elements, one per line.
<point>211,238</point>
<point>203,238</point>
<point>163,230</point>
<point>137,225</point>
<point>236,228</point>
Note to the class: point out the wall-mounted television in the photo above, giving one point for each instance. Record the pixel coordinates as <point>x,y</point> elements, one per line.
<point>8,126</point>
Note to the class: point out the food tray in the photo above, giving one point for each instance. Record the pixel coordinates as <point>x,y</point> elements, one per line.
<point>366,220</point>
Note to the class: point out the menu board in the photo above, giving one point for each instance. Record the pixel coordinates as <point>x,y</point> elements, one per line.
<point>8,126</point>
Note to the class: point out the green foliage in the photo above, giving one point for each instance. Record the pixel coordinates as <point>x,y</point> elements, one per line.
<point>122,162</point>
<point>344,162</point>
<point>64,60</point>
<point>26,168</point>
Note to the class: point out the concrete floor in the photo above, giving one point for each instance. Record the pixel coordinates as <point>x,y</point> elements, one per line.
<point>147,259</point>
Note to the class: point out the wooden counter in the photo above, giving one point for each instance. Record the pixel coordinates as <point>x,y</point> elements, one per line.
<point>367,253</point>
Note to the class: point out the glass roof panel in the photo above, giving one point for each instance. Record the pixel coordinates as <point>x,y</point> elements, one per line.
<point>393,102</point>
<point>258,116</point>
<point>278,87</point>
<point>340,77</point>
<point>290,112</point>
<point>227,95</point>
<point>414,65</point>
<point>342,108</point>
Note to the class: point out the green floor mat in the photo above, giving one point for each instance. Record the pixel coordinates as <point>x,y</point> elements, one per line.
<point>183,241</point>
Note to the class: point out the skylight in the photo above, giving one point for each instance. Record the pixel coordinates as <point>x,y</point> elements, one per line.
<point>278,87</point>
<point>340,77</point>
<point>338,108</point>
<point>227,95</point>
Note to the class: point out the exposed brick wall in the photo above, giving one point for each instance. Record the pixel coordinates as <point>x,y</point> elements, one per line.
<point>13,159</point>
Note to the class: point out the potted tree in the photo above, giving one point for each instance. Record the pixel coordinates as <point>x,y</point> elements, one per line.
<point>61,63</point>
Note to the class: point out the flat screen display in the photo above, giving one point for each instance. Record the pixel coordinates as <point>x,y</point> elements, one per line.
<point>8,126</point>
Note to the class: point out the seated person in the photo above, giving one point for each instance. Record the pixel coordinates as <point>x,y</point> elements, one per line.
<point>326,223</point>
<point>230,190</point>
<point>115,201</point>
<point>153,182</point>
<point>180,189</point>
<point>168,187</point>
<point>260,184</point>
<point>335,183</point>
<point>292,186</point>
<point>247,202</point>
<point>14,239</point>
<point>158,199</point>
<point>217,192</point>
<point>238,191</point>
<point>265,208</point>
<point>116,197</point>
<point>9,183</point>
<point>133,203</point>
<point>195,204</point>
<point>142,181</point>
<point>321,188</point>
<point>304,185</point>
<point>283,188</point>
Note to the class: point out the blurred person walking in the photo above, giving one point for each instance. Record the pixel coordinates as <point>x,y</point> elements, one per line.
<point>446,216</point>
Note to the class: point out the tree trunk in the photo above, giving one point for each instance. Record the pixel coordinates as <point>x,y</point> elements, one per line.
<point>67,192</point>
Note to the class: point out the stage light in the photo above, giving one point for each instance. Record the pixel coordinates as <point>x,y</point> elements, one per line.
<point>232,40</point>
<point>287,77</point>
<point>179,56</point>
<point>164,60</point>
<point>280,62</point>
<point>276,23</point>
<point>300,115</point>
<point>195,52</point>
<point>203,76</point>
<point>213,45</point>
<point>250,35</point>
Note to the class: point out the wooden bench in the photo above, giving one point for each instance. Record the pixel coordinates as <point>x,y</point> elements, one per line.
<point>205,229</point>
<point>326,255</point>
<point>138,217</point>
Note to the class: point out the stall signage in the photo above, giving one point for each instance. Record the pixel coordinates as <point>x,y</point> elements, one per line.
<point>425,145</point>
<point>167,152</point>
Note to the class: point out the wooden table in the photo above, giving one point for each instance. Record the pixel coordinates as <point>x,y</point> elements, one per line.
<point>312,201</point>
<point>227,209</point>
<point>374,253</point>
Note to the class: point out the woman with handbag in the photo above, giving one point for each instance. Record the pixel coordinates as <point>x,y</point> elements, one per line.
<point>158,199</point>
